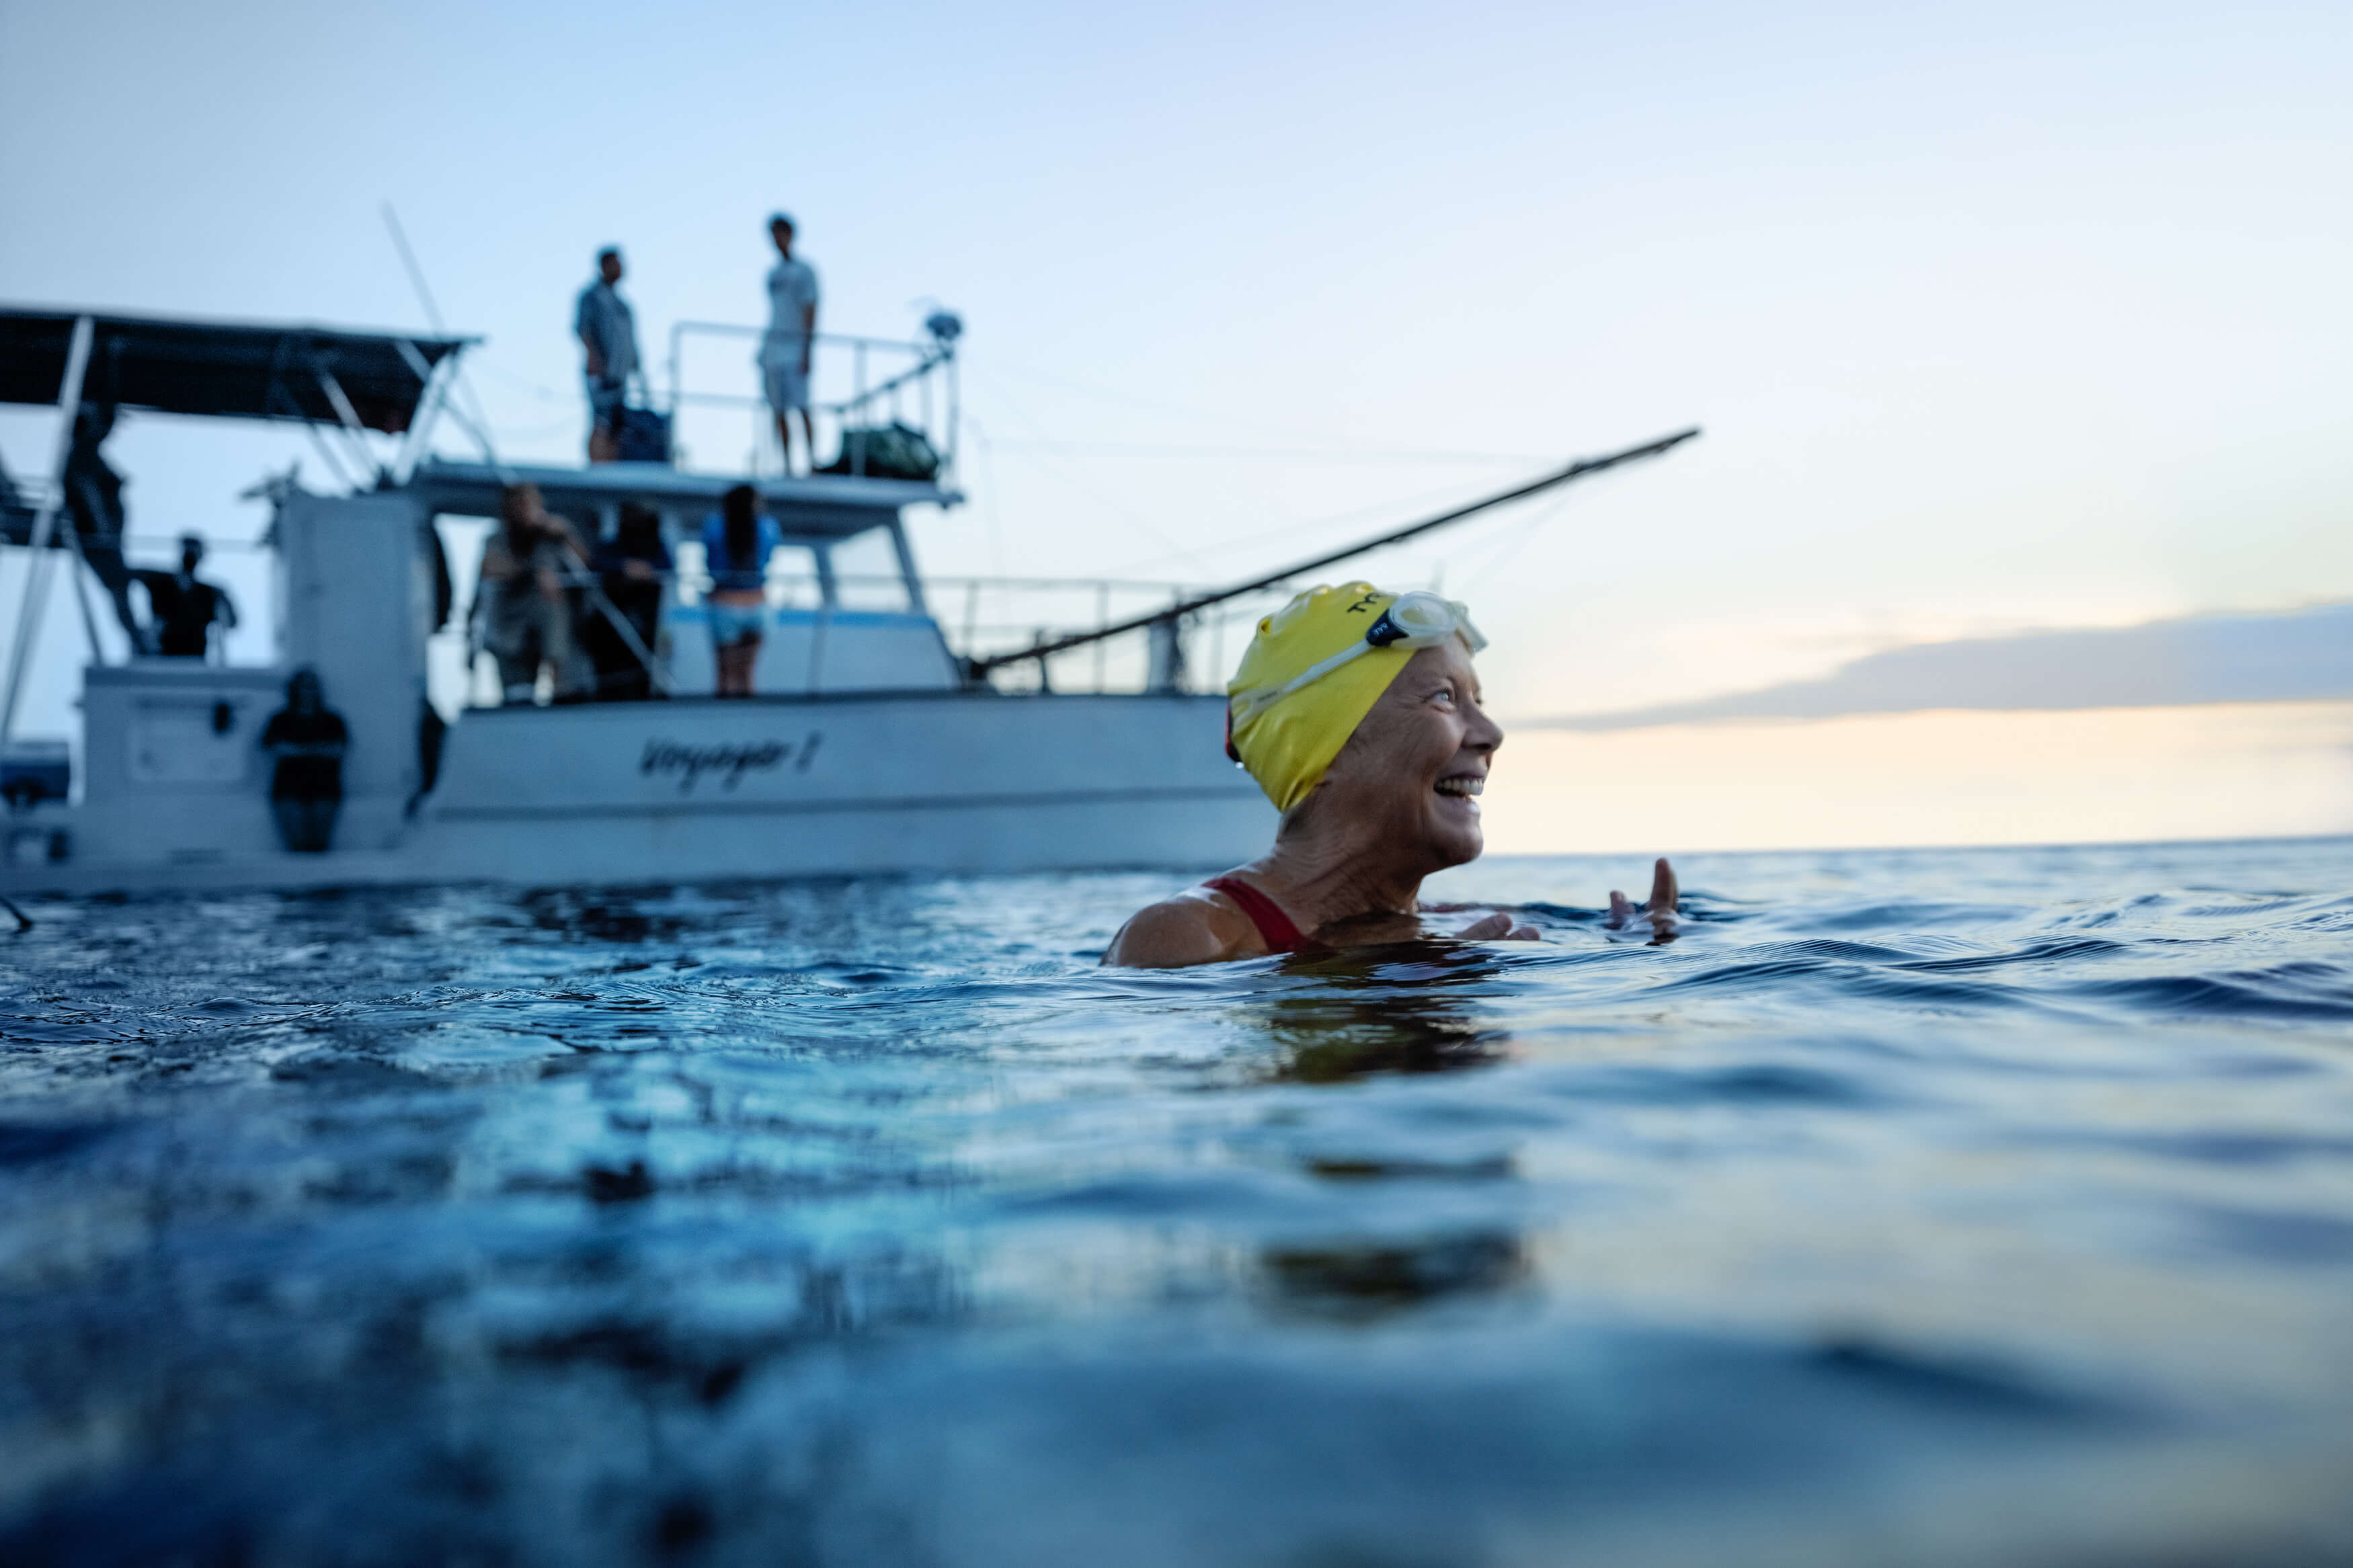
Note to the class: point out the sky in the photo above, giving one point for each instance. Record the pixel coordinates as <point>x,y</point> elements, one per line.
<point>2196,660</point>
<point>2001,320</point>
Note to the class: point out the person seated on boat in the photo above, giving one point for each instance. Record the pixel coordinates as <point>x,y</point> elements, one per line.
<point>522,612</point>
<point>1358,712</point>
<point>183,609</point>
<point>306,789</point>
<point>737,540</point>
<point>629,569</point>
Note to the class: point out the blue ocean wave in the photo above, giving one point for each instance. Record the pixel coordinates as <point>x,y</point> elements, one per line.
<point>1997,1203</point>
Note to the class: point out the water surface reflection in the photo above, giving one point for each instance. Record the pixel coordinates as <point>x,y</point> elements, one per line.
<point>873,1224</point>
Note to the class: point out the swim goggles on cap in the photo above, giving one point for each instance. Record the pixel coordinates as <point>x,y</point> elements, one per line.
<point>1417,619</point>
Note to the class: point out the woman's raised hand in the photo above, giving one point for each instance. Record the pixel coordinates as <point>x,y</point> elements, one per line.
<point>1665,901</point>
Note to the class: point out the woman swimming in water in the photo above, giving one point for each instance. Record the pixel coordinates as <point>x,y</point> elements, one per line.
<point>1357,711</point>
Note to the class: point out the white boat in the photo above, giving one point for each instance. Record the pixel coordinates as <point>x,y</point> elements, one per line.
<point>873,746</point>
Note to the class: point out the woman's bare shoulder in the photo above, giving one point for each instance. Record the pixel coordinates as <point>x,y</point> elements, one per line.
<point>1196,926</point>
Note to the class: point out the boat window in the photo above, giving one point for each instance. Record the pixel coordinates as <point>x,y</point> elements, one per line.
<point>869,570</point>
<point>794,579</point>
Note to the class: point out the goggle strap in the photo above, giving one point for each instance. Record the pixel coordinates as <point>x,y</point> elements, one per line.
<point>1246,704</point>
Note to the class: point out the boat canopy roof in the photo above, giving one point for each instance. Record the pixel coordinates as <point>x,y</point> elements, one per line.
<point>816,506</point>
<point>231,370</point>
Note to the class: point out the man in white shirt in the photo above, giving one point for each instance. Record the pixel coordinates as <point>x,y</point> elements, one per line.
<point>607,330</point>
<point>785,351</point>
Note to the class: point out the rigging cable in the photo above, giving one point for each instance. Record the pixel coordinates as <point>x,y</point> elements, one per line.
<point>1088,489</point>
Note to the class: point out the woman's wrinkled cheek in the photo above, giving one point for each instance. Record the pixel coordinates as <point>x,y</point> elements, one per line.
<point>1437,744</point>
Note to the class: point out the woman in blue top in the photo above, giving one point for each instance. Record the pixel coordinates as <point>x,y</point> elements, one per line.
<point>737,543</point>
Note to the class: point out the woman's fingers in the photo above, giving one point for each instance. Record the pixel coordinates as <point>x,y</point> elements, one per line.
<point>1499,928</point>
<point>1666,898</point>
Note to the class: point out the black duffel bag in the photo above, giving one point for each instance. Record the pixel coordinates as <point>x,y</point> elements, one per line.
<point>641,435</point>
<point>891,451</point>
<point>644,437</point>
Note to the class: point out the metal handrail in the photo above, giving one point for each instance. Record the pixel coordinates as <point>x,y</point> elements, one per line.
<point>935,580</point>
<point>935,355</point>
<point>892,579</point>
<point>738,329</point>
<point>930,355</point>
<point>805,591</point>
<point>964,637</point>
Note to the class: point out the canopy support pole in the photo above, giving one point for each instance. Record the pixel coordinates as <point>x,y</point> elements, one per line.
<point>347,415</point>
<point>435,379</point>
<point>29,615</point>
<point>446,400</point>
<point>907,573</point>
<point>311,428</point>
<point>278,393</point>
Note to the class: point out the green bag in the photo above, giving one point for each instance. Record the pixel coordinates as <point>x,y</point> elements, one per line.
<point>892,451</point>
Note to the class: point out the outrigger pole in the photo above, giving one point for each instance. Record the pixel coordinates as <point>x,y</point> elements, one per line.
<point>1167,619</point>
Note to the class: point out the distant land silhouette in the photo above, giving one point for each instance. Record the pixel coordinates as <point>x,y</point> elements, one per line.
<point>2275,657</point>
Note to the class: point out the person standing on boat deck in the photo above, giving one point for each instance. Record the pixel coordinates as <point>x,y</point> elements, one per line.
<point>792,331</point>
<point>737,540</point>
<point>520,613</point>
<point>1358,712</point>
<point>607,331</point>
<point>182,610</point>
<point>629,569</point>
<point>93,499</point>
<point>306,789</point>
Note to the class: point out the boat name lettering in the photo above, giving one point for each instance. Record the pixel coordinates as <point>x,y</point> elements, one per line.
<point>728,763</point>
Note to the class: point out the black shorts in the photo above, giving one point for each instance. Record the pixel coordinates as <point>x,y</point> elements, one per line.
<point>607,403</point>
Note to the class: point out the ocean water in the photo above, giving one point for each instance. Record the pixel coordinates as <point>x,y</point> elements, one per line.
<point>1934,1208</point>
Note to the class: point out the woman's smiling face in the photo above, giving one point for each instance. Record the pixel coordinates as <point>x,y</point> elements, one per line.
<point>1419,760</point>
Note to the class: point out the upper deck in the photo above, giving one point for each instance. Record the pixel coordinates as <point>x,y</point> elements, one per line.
<point>815,506</point>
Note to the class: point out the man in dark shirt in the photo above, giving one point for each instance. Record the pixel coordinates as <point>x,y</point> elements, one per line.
<point>607,331</point>
<point>630,567</point>
<point>182,611</point>
<point>306,789</point>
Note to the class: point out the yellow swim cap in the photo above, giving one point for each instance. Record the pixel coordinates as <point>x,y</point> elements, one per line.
<point>1310,678</point>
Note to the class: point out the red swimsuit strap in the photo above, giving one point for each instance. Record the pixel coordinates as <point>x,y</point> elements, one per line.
<point>1274,927</point>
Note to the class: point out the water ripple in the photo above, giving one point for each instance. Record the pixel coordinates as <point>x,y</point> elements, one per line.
<point>2000,1202</point>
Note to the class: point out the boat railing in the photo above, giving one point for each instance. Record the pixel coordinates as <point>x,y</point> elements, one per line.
<point>989,620</point>
<point>983,618</point>
<point>1158,633</point>
<point>890,382</point>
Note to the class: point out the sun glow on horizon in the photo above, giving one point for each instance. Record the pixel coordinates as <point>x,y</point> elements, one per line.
<point>2099,775</point>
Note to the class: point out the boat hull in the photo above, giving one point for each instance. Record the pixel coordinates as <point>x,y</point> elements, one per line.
<point>772,788</point>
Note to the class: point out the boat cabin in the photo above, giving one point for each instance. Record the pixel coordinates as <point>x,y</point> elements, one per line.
<point>170,765</point>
